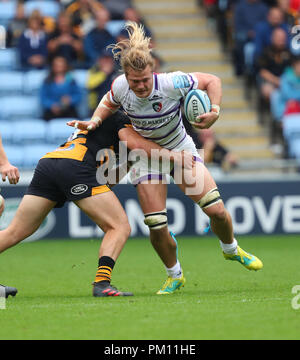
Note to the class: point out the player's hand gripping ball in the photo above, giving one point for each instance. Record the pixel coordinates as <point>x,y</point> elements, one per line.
<point>196,103</point>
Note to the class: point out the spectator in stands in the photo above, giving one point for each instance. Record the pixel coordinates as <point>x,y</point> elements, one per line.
<point>17,26</point>
<point>32,43</point>
<point>83,14</point>
<point>116,7</point>
<point>272,63</point>
<point>263,30</point>
<point>100,77</point>
<point>215,152</point>
<point>295,5</point>
<point>59,93</point>
<point>64,42</point>
<point>99,38</point>
<point>247,13</point>
<point>290,15</point>
<point>288,95</point>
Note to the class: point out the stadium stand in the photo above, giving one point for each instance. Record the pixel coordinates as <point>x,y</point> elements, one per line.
<point>57,130</point>
<point>33,153</point>
<point>11,82</point>
<point>33,80</point>
<point>9,59</point>
<point>188,37</point>
<point>7,11</point>
<point>19,106</point>
<point>46,7</point>
<point>29,132</point>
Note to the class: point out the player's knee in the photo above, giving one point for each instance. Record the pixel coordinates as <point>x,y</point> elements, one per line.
<point>126,229</point>
<point>156,220</point>
<point>219,214</point>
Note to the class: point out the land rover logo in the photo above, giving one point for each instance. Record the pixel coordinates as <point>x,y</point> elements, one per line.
<point>79,189</point>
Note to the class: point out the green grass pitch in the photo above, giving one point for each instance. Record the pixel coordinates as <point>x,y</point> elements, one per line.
<point>221,299</point>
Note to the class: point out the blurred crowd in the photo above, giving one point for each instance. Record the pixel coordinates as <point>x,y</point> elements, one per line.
<point>77,38</point>
<point>262,39</point>
<point>258,36</point>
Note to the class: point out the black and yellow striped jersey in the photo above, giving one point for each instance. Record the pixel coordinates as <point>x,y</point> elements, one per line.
<point>84,145</point>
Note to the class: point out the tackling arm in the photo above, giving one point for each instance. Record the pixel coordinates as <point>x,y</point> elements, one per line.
<point>103,111</point>
<point>134,141</point>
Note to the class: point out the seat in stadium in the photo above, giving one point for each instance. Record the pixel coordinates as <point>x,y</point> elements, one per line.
<point>7,11</point>
<point>6,131</point>
<point>80,76</point>
<point>33,81</point>
<point>15,154</point>
<point>30,131</point>
<point>33,153</point>
<point>115,27</point>
<point>19,107</point>
<point>58,131</point>
<point>46,7</point>
<point>8,59</point>
<point>11,82</point>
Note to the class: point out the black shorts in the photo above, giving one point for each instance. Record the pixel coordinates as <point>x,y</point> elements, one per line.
<point>64,180</point>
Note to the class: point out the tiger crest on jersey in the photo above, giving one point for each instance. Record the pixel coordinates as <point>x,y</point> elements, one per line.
<point>157,106</point>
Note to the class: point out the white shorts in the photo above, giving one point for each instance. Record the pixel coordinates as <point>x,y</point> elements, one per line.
<point>145,169</point>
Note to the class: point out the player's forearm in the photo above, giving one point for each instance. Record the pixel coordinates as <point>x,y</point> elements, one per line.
<point>213,86</point>
<point>103,110</point>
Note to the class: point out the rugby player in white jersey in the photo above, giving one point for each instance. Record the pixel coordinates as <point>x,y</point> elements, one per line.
<point>152,102</point>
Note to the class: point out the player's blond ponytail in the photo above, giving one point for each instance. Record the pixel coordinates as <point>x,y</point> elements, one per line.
<point>134,52</point>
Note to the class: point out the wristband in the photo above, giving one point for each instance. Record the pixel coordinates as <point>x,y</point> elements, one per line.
<point>216,109</point>
<point>97,120</point>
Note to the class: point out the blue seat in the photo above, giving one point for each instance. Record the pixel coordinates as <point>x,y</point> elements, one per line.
<point>19,107</point>
<point>33,153</point>
<point>291,126</point>
<point>33,81</point>
<point>11,82</point>
<point>7,11</point>
<point>115,27</point>
<point>6,131</point>
<point>46,7</point>
<point>58,131</point>
<point>80,76</point>
<point>15,154</point>
<point>30,131</point>
<point>8,59</point>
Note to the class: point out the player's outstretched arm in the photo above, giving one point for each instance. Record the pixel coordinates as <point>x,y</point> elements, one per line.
<point>213,86</point>
<point>6,169</point>
<point>103,111</point>
<point>134,141</point>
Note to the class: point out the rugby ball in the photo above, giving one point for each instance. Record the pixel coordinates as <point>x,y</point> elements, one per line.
<point>196,103</point>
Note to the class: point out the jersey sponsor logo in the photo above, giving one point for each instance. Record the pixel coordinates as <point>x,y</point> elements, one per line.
<point>79,189</point>
<point>180,81</point>
<point>157,106</point>
<point>155,97</point>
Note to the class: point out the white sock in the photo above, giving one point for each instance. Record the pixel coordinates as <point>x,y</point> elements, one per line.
<point>175,271</point>
<point>229,248</point>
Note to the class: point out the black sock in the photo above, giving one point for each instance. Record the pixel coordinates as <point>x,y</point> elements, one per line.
<point>105,267</point>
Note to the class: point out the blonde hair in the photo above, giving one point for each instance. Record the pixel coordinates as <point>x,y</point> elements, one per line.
<point>134,52</point>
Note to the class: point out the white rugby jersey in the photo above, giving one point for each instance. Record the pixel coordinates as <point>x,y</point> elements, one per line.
<point>157,117</point>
